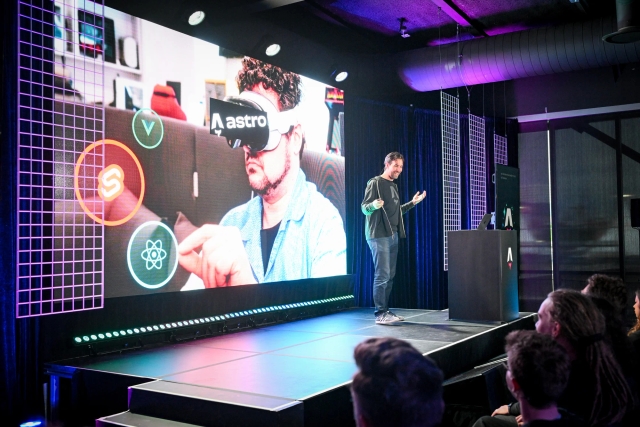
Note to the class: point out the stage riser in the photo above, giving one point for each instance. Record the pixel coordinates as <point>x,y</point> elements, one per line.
<point>464,355</point>
<point>193,410</point>
<point>127,419</point>
<point>290,374</point>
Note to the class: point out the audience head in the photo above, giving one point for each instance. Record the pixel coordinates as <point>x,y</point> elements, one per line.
<point>538,368</point>
<point>395,385</point>
<point>611,289</point>
<point>636,310</point>
<point>573,320</point>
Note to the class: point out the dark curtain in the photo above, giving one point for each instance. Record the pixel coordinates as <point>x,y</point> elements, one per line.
<point>372,130</point>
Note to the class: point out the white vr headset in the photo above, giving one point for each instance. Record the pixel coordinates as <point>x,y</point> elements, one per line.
<point>279,122</point>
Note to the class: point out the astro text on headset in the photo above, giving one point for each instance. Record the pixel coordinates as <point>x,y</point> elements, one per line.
<point>250,119</point>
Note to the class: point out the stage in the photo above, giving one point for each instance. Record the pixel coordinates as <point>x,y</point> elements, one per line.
<point>293,374</point>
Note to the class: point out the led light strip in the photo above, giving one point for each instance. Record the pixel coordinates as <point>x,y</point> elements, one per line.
<point>104,336</point>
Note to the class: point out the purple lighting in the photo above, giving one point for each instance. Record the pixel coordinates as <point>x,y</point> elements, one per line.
<point>60,111</point>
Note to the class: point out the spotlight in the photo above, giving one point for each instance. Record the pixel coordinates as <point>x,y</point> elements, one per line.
<point>273,49</point>
<point>196,17</point>
<point>403,28</point>
<point>341,76</point>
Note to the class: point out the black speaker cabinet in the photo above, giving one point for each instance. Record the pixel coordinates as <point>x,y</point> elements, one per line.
<point>635,213</point>
<point>483,275</point>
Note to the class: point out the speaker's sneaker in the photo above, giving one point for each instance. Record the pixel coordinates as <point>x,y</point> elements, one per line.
<point>398,318</point>
<point>386,319</point>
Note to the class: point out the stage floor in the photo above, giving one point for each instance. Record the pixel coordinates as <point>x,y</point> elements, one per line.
<point>290,361</point>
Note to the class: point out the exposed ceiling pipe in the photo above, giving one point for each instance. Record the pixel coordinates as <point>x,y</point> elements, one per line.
<point>537,52</point>
<point>628,14</point>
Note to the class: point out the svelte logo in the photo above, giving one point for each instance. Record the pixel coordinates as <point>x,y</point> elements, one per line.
<point>110,182</point>
<point>509,258</point>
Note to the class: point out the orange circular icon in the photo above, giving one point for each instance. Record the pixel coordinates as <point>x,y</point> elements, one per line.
<point>76,174</point>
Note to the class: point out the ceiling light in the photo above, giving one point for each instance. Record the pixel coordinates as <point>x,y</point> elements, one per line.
<point>273,49</point>
<point>403,28</point>
<point>341,76</point>
<point>196,17</point>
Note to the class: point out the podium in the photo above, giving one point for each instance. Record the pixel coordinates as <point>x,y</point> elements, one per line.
<point>483,275</point>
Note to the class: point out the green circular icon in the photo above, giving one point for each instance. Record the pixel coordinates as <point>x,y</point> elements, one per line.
<point>147,128</point>
<point>152,254</point>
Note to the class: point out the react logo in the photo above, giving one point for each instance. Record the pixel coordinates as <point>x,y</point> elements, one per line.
<point>110,182</point>
<point>154,254</point>
<point>509,258</point>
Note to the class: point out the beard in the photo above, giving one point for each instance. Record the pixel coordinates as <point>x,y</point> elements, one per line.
<point>265,186</point>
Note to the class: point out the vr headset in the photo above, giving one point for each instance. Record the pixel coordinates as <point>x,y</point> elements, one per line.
<point>250,119</point>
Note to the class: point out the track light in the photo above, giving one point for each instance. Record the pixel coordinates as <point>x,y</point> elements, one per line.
<point>272,49</point>
<point>403,28</point>
<point>338,73</point>
<point>196,17</point>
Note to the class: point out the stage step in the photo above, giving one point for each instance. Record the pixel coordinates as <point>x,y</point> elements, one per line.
<point>205,406</point>
<point>128,419</point>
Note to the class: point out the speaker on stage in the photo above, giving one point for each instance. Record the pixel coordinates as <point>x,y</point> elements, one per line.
<point>635,213</point>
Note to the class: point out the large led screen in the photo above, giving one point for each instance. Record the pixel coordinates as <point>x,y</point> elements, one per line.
<point>214,169</point>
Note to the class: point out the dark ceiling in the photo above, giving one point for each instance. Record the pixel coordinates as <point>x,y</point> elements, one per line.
<point>362,36</point>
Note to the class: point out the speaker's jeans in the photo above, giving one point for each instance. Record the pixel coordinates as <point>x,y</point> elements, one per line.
<point>385,254</point>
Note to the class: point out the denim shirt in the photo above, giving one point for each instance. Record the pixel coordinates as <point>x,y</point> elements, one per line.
<point>311,241</point>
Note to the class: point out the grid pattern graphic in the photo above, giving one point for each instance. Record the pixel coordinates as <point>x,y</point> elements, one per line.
<point>477,170</point>
<point>60,112</point>
<point>450,106</point>
<point>499,149</point>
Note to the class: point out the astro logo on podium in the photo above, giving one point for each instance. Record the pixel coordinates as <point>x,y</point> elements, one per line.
<point>508,218</point>
<point>510,258</point>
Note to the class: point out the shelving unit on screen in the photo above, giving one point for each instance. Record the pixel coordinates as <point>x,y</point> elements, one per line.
<point>60,249</point>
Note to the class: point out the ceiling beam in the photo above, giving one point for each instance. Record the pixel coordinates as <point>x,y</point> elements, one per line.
<point>459,16</point>
<point>264,5</point>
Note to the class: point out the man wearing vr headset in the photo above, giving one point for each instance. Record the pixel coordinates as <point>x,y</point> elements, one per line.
<point>290,231</point>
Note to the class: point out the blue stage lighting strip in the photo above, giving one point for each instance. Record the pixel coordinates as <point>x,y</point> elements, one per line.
<point>160,327</point>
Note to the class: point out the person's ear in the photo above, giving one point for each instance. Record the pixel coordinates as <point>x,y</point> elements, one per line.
<point>555,330</point>
<point>512,384</point>
<point>296,139</point>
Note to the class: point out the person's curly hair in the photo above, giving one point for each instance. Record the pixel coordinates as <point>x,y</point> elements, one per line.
<point>540,366</point>
<point>609,288</point>
<point>396,385</point>
<point>285,83</point>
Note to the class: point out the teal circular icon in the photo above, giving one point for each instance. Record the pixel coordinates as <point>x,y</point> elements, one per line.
<point>152,254</point>
<point>147,128</point>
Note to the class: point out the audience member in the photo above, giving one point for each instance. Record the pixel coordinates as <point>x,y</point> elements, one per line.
<point>597,390</point>
<point>634,332</point>
<point>537,374</point>
<point>609,294</point>
<point>395,386</point>
<point>611,289</point>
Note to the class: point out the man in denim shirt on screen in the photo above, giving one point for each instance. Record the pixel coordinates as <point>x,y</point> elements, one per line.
<point>290,231</point>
